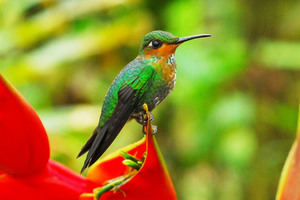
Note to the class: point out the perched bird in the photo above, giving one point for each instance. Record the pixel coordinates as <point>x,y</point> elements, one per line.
<point>149,78</point>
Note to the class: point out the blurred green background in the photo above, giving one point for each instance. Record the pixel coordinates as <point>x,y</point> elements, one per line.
<point>224,131</point>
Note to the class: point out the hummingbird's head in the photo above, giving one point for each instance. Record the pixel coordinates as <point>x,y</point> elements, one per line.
<point>163,44</point>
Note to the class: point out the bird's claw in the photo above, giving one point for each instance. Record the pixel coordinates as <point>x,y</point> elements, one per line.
<point>142,117</point>
<point>148,117</point>
<point>145,117</point>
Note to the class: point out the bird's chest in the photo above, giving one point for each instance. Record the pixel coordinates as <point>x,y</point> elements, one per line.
<point>162,84</point>
<point>167,69</point>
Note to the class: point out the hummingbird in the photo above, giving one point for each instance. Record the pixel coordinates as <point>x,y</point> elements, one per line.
<point>148,79</point>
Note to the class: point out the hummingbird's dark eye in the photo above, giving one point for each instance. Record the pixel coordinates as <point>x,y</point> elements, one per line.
<point>155,44</point>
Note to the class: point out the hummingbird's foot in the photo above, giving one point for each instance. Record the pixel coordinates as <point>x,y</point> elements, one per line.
<point>142,117</point>
<point>147,118</point>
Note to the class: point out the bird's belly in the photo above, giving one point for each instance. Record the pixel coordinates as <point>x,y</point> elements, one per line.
<point>152,100</point>
<point>155,95</point>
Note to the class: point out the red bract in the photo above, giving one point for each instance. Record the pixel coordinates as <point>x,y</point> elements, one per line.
<point>27,173</point>
<point>54,182</point>
<point>24,145</point>
<point>151,182</point>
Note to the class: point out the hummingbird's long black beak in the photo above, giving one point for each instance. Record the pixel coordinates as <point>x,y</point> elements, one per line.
<point>184,39</point>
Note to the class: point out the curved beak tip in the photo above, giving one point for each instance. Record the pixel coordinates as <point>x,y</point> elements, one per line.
<point>184,39</point>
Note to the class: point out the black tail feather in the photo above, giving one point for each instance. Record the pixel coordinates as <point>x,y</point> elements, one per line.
<point>105,135</point>
<point>100,133</point>
<point>88,144</point>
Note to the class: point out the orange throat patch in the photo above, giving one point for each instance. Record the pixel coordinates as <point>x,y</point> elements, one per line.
<point>165,64</point>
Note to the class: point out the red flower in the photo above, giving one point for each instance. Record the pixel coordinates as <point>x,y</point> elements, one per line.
<point>24,145</point>
<point>151,182</point>
<point>27,173</point>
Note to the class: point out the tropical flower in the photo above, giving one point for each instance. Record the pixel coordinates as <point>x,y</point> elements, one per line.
<point>27,173</point>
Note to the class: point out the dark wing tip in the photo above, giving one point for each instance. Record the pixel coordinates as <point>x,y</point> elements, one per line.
<point>104,136</point>
<point>92,145</point>
<point>82,151</point>
<point>83,168</point>
<point>88,144</point>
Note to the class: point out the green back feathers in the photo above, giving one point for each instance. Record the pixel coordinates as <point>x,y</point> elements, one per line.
<point>136,74</point>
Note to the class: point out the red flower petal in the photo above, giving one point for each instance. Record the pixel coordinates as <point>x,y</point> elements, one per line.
<point>24,150</point>
<point>55,182</point>
<point>111,167</point>
<point>25,169</point>
<point>24,147</point>
<point>151,182</point>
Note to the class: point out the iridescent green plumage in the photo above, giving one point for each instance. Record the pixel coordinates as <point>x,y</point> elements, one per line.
<point>147,79</point>
<point>139,75</point>
<point>157,35</point>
